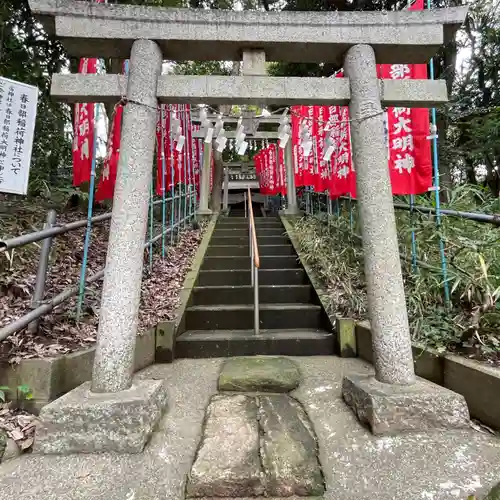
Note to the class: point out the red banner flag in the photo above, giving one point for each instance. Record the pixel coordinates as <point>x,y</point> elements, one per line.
<point>163,147</point>
<point>416,5</point>
<point>410,164</point>
<point>322,116</point>
<point>197,148</point>
<point>273,170</point>
<point>281,171</point>
<point>297,153</point>
<point>106,186</point>
<point>342,176</point>
<point>212,168</point>
<point>83,142</point>
<point>310,168</point>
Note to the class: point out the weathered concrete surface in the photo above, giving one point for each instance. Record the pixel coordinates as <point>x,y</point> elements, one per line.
<point>288,448</point>
<point>248,90</point>
<point>389,409</point>
<point>228,462</point>
<point>410,37</point>
<point>447,465</point>
<point>259,373</point>
<point>384,280</point>
<point>82,421</point>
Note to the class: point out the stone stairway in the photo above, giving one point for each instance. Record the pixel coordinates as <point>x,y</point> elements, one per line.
<point>220,319</point>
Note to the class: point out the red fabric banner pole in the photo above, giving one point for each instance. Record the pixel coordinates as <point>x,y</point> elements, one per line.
<point>84,126</point>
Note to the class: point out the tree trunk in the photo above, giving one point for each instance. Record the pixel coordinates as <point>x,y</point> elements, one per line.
<point>470,172</point>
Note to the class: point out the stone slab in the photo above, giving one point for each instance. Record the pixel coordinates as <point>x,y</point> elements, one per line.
<point>407,36</point>
<point>259,373</point>
<point>227,463</point>
<point>389,409</point>
<point>289,449</point>
<point>85,422</point>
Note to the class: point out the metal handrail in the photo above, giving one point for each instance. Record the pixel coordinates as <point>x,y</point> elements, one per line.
<point>254,259</point>
<point>56,230</point>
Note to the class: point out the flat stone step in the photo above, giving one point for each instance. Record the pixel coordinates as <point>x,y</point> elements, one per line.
<point>241,317</point>
<point>244,294</point>
<point>289,449</point>
<point>198,344</point>
<point>243,250</point>
<point>259,374</point>
<point>259,222</point>
<point>243,240</point>
<point>228,460</point>
<point>243,277</point>
<point>243,231</point>
<point>243,262</point>
<point>261,445</point>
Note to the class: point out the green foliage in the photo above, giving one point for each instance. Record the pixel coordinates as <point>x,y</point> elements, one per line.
<point>471,323</point>
<point>23,392</point>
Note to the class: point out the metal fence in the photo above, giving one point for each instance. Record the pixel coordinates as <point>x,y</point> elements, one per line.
<point>177,211</point>
<point>320,204</point>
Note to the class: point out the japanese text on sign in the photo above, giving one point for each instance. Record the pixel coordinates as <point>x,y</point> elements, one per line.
<point>18,103</point>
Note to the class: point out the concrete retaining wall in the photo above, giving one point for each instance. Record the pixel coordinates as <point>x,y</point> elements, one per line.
<point>49,378</point>
<point>476,381</point>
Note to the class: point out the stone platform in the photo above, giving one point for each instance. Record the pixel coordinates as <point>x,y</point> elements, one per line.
<point>440,465</point>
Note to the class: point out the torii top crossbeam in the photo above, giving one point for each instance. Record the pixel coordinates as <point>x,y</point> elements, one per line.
<point>106,30</point>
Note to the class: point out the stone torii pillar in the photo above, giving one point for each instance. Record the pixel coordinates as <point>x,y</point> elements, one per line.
<point>112,414</point>
<point>394,400</point>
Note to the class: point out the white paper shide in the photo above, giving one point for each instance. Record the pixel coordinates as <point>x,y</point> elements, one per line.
<point>18,103</point>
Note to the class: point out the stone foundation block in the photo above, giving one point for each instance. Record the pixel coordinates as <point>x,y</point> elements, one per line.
<point>391,409</point>
<point>85,422</point>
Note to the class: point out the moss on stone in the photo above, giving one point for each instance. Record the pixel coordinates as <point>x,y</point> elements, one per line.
<point>259,373</point>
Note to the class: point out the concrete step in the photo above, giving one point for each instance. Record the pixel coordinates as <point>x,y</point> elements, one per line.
<point>287,294</point>
<point>243,240</point>
<point>243,262</point>
<point>242,277</point>
<point>226,343</point>
<point>241,317</point>
<point>243,250</point>
<point>243,231</point>
<point>259,222</point>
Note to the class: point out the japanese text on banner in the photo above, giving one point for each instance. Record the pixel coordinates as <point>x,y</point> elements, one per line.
<point>410,164</point>
<point>83,141</point>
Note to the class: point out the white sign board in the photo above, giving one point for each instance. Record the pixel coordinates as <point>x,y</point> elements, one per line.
<point>18,103</point>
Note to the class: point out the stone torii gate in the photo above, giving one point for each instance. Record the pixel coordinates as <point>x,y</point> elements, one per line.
<point>118,413</point>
